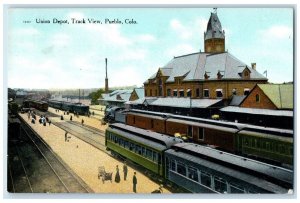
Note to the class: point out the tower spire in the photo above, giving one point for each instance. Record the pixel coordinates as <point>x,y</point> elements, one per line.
<point>214,37</point>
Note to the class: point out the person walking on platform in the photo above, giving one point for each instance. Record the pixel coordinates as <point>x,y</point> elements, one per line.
<point>71,118</point>
<point>82,121</point>
<point>49,122</point>
<point>117,177</point>
<point>125,170</point>
<point>66,136</point>
<point>134,181</point>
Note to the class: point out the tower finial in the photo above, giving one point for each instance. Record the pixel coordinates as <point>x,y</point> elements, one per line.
<point>215,10</point>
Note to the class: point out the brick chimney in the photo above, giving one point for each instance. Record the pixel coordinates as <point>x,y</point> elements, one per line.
<point>253,65</point>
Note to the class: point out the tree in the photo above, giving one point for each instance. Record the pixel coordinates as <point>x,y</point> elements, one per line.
<point>95,96</point>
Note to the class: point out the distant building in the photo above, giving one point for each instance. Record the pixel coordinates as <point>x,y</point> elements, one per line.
<point>267,105</point>
<point>115,98</point>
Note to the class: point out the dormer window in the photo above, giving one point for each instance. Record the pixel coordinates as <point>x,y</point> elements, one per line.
<point>246,73</point>
<point>206,76</point>
<point>219,75</point>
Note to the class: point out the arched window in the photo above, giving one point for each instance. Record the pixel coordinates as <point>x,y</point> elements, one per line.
<point>257,98</point>
<point>160,88</point>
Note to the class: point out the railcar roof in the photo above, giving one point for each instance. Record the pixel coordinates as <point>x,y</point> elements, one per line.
<point>276,172</point>
<point>235,174</point>
<point>148,116</point>
<point>210,121</point>
<point>231,129</point>
<point>156,140</point>
<point>256,111</point>
<point>150,112</point>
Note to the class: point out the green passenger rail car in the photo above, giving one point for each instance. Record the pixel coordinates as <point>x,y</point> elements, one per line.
<point>266,145</point>
<point>143,147</point>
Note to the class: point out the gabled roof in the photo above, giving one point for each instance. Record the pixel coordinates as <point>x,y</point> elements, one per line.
<point>280,94</point>
<point>117,95</point>
<point>192,67</point>
<point>140,92</point>
<point>237,100</point>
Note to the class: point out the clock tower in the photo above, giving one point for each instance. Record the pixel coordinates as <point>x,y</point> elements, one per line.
<point>214,37</point>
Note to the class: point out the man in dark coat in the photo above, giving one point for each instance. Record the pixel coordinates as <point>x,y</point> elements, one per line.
<point>125,170</point>
<point>134,181</point>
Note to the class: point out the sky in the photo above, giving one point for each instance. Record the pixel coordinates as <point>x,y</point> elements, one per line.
<point>54,55</point>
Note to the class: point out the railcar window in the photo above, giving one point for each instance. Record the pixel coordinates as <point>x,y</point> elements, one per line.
<point>155,157</point>
<point>116,139</point>
<point>149,154</point>
<point>173,165</point>
<point>131,147</point>
<point>201,134</point>
<point>267,145</point>
<point>138,149</point>
<point>205,179</point>
<point>159,158</point>
<point>220,185</point>
<point>236,189</point>
<point>192,174</point>
<point>190,131</point>
<point>127,146</point>
<point>144,151</point>
<point>181,168</point>
<point>121,143</point>
<point>246,142</point>
<point>264,146</point>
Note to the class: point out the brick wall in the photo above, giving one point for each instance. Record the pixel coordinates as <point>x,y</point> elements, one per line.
<point>214,45</point>
<point>263,103</point>
<point>226,86</point>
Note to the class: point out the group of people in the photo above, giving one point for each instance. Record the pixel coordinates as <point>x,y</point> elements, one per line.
<point>43,119</point>
<point>134,179</point>
<point>125,171</point>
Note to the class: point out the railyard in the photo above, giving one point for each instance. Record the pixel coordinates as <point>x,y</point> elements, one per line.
<point>84,158</point>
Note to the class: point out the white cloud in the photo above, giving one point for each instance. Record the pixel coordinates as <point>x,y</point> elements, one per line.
<point>146,38</point>
<point>26,31</point>
<point>60,40</point>
<point>182,30</point>
<point>126,76</point>
<point>277,32</point>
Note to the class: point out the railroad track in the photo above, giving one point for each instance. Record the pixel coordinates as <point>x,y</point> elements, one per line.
<point>44,170</point>
<point>96,138</point>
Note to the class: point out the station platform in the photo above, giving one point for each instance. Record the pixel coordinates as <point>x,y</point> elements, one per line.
<point>84,159</point>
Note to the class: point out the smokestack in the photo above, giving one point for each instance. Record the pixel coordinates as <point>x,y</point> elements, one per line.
<point>106,79</point>
<point>253,65</point>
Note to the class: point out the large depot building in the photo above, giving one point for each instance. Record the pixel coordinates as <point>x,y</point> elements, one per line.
<point>213,74</point>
